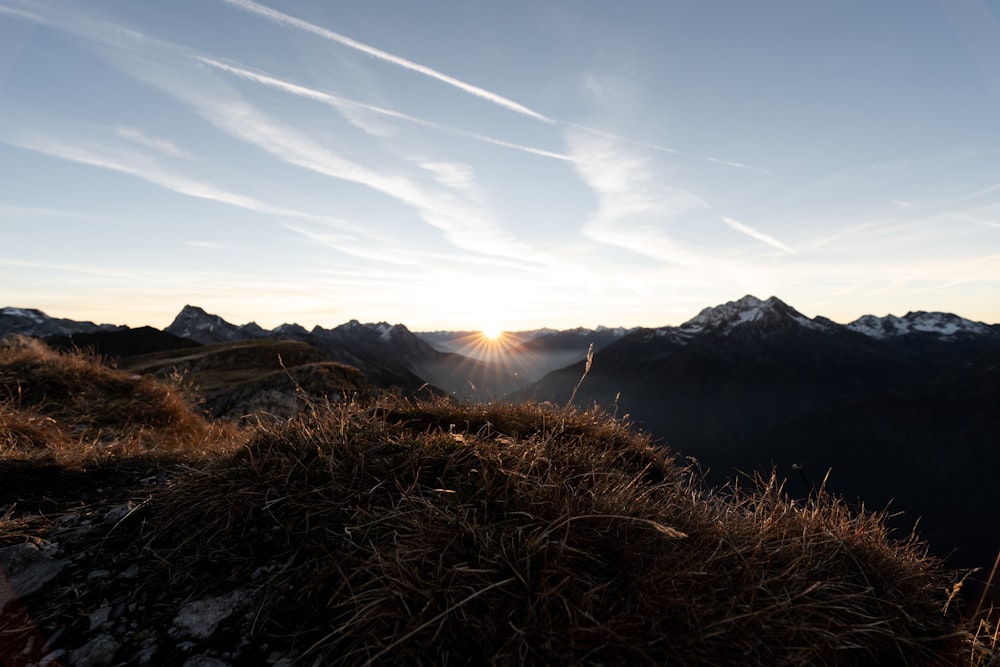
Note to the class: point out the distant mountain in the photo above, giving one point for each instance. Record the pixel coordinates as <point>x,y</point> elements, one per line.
<point>942,326</point>
<point>32,322</point>
<point>194,323</point>
<point>754,383</point>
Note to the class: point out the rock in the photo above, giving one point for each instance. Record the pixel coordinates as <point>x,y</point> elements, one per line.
<point>118,512</point>
<point>27,569</point>
<point>205,661</point>
<point>98,652</point>
<point>100,617</point>
<point>52,658</point>
<point>131,572</point>
<point>146,652</point>
<point>198,619</point>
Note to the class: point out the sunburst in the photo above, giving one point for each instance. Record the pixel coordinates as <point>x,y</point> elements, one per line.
<point>491,332</point>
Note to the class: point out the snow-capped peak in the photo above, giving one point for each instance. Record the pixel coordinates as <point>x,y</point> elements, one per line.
<point>944,325</point>
<point>749,309</point>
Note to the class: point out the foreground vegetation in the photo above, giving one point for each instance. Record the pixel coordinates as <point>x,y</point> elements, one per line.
<point>442,533</point>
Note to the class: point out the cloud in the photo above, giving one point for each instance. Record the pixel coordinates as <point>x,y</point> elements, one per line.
<point>176,71</point>
<point>21,14</point>
<point>462,220</point>
<point>285,19</point>
<point>625,182</point>
<point>634,208</point>
<point>350,109</point>
<point>738,165</point>
<point>979,221</point>
<point>87,269</point>
<point>161,145</point>
<point>662,149</point>
<point>759,235</point>
<point>451,174</point>
<point>139,166</point>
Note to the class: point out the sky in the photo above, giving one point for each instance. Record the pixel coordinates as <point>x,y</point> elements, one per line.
<point>464,164</point>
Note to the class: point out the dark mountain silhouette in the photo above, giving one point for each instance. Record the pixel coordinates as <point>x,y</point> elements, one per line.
<point>121,343</point>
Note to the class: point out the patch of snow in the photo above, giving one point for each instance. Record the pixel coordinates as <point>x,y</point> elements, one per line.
<point>31,314</point>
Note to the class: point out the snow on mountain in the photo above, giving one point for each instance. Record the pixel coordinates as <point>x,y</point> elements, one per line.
<point>943,325</point>
<point>30,314</point>
<point>33,322</point>
<point>749,310</point>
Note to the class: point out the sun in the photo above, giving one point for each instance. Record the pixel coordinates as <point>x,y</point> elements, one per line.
<point>491,332</point>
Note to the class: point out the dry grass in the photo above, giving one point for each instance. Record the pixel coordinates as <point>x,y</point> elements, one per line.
<point>71,408</point>
<point>441,533</point>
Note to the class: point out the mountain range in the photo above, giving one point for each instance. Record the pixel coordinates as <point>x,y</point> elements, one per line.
<point>899,412</point>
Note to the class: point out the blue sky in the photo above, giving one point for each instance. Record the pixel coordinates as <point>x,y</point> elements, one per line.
<point>463,164</point>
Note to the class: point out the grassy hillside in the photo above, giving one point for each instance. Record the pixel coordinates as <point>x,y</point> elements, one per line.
<point>386,531</point>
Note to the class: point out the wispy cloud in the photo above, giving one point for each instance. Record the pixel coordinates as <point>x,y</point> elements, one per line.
<point>176,71</point>
<point>142,167</point>
<point>285,19</point>
<point>759,235</point>
<point>20,14</point>
<point>141,138</point>
<point>634,208</point>
<point>738,165</point>
<point>661,148</point>
<point>978,221</point>
<point>349,109</point>
<point>452,175</point>
<point>87,269</point>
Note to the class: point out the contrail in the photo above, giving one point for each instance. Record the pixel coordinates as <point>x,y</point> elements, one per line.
<point>285,19</point>
<point>760,236</point>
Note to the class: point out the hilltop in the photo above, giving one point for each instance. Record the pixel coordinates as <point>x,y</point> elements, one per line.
<point>384,529</point>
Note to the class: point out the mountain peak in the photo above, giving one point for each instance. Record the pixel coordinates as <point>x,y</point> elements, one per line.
<point>194,323</point>
<point>747,311</point>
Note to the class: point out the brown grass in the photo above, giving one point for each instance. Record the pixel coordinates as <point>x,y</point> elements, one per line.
<point>442,533</point>
<point>72,408</point>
